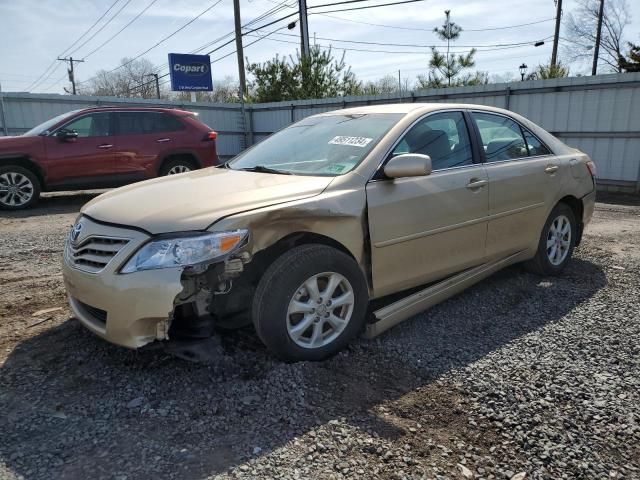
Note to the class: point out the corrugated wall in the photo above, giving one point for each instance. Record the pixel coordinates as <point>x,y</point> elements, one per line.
<point>599,115</point>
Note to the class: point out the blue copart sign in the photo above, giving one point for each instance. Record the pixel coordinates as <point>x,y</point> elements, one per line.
<point>190,72</point>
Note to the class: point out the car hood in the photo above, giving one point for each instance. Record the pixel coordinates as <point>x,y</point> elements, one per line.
<point>19,141</point>
<point>195,200</point>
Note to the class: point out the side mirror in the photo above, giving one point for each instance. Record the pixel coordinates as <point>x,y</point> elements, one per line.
<point>67,135</point>
<point>408,165</point>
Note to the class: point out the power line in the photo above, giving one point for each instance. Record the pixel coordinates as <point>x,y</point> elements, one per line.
<point>101,28</point>
<point>279,7</point>
<point>409,52</point>
<point>160,42</point>
<point>418,45</point>
<point>504,27</point>
<point>365,7</point>
<point>55,60</point>
<point>121,30</point>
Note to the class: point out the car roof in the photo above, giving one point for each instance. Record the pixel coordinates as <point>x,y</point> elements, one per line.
<point>411,108</point>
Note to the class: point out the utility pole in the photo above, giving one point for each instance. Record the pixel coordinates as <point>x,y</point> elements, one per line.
<point>72,78</point>
<point>241,75</point>
<point>304,28</point>
<point>596,50</point>
<point>556,35</point>
<point>155,75</point>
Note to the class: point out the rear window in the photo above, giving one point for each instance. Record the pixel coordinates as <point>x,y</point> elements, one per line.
<point>140,123</point>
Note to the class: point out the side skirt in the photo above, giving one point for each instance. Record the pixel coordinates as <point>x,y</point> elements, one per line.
<point>399,311</point>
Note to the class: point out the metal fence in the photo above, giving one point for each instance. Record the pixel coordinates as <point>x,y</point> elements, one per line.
<point>599,115</point>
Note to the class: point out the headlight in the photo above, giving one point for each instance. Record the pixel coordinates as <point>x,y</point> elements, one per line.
<point>184,251</point>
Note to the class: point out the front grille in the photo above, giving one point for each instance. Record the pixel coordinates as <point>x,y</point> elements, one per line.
<point>94,253</point>
<point>96,314</point>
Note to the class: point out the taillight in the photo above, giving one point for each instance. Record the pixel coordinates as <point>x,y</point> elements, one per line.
<point>210,136</point>
<point>591,166</point>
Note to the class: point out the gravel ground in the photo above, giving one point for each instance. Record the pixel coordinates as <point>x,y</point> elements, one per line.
<point>520,376</point>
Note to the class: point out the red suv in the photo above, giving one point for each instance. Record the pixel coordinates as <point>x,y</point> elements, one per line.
<point>99,148</point>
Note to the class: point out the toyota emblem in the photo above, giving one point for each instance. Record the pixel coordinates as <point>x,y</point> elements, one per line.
<point>75,232</point>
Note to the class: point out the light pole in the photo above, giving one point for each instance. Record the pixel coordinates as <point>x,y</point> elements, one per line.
<point>523,71</point>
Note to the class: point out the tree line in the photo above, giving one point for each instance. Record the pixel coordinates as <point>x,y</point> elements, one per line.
<point>321,74</point>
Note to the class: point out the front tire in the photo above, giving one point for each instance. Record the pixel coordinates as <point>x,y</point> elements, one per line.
<point>310,303</point>
<point>19,188</point>
<point>556,244</point>
<point>176,166</point>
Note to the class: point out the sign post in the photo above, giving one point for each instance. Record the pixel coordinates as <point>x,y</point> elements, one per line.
<point>190,73</point>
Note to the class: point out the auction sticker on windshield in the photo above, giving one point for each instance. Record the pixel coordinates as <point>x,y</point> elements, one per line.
<point>351,141</point>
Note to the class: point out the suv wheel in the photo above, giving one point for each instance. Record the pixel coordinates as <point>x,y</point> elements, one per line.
<point>310,303</point>
<point>557,242</point>
<point>19,188</point>
<point>179,165</point>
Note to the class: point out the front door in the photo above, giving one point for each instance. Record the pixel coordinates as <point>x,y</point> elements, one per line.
<point>425,228</point>
<point>524,178</point>
<point>84,161</point>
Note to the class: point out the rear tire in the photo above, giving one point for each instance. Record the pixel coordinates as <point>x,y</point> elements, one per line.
<point>177,165</point>
<point>556,244</point>
<point>310,303</point>
<point>19,188</point>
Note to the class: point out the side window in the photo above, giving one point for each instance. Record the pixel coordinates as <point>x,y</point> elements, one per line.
<point>442,136</point>
<point>94,125</point>
<point>167,123</point>
<point>534,145</point>
<point>140,123</point>
<point>128,123</point>
<point>501,137</point>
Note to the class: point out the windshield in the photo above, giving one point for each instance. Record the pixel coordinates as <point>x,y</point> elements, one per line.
<point>43,127</point>
<point>324,145</point>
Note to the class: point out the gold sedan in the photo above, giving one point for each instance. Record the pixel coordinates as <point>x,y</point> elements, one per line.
<point>300,232</point>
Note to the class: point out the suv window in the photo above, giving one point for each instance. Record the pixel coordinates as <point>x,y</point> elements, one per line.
<point>442,136</point>
<point>138,123</point>
<point>501,137</point>
<point>92,125</point>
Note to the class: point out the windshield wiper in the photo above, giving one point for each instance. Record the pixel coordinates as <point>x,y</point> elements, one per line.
<point>264,169</point>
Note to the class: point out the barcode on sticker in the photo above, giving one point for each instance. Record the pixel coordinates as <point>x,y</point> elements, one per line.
<point>352,141</point>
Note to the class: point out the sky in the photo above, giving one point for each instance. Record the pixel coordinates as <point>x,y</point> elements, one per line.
<point>33,33</point>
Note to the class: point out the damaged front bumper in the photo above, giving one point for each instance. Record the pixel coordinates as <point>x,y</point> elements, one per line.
<point>129,311</point>
<point>136,308</point>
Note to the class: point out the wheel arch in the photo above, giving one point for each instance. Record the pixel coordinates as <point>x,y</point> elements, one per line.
<point>577,207</point>
<point>264,258</point>
<point>184,154</point>
<point>25,162</point>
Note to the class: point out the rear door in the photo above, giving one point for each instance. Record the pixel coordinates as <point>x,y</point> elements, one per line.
<point>425,228</point>
<point>85,160</point>
<point>524,178</point>
<point>143,138</point>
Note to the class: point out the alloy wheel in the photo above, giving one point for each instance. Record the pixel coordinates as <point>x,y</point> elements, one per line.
<point>178,169</point>
<point>558,240</point>
<point>320,310</point>
<point>16,189</point>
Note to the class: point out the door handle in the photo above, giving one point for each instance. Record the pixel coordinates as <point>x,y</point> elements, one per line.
<point>163,140</point>
<point>551,169</point>
<point>476,183</point>
<point>105,145</point>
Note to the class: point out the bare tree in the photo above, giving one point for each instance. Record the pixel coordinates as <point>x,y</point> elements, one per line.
<point>581,25</point>
<point>133,80</point>
<point>226,90</point>
<point>386,84</point>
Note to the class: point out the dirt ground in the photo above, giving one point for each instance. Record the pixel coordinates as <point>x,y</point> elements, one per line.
<point>520,376</point>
